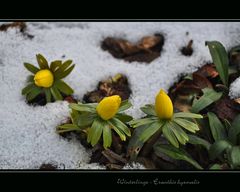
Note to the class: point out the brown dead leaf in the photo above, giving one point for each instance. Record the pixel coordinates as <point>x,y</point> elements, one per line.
<point>150,41</point>
<point>113,157</point>
<point>208,70</point>
<point>70,99</point>
<point>20,25</point>
<point>237,100</point>
<point>182,93</point>
<point>117,85</point>
<point>119,48</point>
<point>234,56</point>
<point>146,50</point>
<point>113,166</point>
<point>226,108</point>
<point>185,87</point>
<point>201,81</point>
<point>182,103</point>
<point>188,86</point>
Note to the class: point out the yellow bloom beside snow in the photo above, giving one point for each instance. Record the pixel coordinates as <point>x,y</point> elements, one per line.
<point>43,78</point>
<point>163,105</point>
<point>108,107</point>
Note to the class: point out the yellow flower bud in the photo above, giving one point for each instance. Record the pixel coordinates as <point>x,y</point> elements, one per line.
<point>163,105</point>
<point>108,107</point>
<point>43,78</point>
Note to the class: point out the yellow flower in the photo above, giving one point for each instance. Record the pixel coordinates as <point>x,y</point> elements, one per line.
<point>43,78</point>
<point>163,105</point>
<point>108,107</point>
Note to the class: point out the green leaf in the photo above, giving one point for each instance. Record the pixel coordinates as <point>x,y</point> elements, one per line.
<point>195,140</point>
<point>217,128</point>
<point>218,148</point>
<point>42,62</point>
<point>209,96</point>
<point>124,106</point>
<point>31,68</point>
<point>138,122</point>
<point>61,69</point>
<point>151,130</point>
<point>175,153</point>
<point>189,76</point>
<point>66,73</point>
<point>89,135</point>
<point>63,87</point>
<point>121,126</point>
<point>190,126</point>
<point>216,167</point>
<point>187,115</point>
<point>48,95</point>
<point>149,110</point>
<point>55,64</point>
<point>235,156</point>
<point>234,130</point>
<point>220,59</point>
<point>91,105</point>
<point>56,94</point>
<point>96,129</point>
<point>232,70</point>
<point>33,93</point>
<point>107,136</point>
<point>227,124</point>
<point>169,134</point>
<point>28,88</point>
<point>30,78</point>
<point>85,119</point>
<point>181,136</point>
<point>135,143</point>
<point>74,116</point>
<point>83,107</point>
<point>118,131</point>
<point>123,117</point>
<point>67,128</point>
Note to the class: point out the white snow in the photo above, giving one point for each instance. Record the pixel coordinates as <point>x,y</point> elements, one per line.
<point>27,134</point>
<point>133,165</point>
<point>234,92</point>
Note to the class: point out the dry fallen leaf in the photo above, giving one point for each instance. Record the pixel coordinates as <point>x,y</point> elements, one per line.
<point>208,70</point>
<point>237,100</point>
<point>146,50</point>
<point>20,25</point>
<point>201,81</point>
<point>117,85</point>
<point>150,41</point>
<point>226,108</point>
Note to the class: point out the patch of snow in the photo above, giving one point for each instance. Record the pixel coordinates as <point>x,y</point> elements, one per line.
<point>96,166</point>
<point>134,165</point>
<point>234,91</point>
<point>27,134</point>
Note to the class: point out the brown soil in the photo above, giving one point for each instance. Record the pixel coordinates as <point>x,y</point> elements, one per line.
<point>40,100</point>
<point>187,50</point>
<point>48,167</point>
